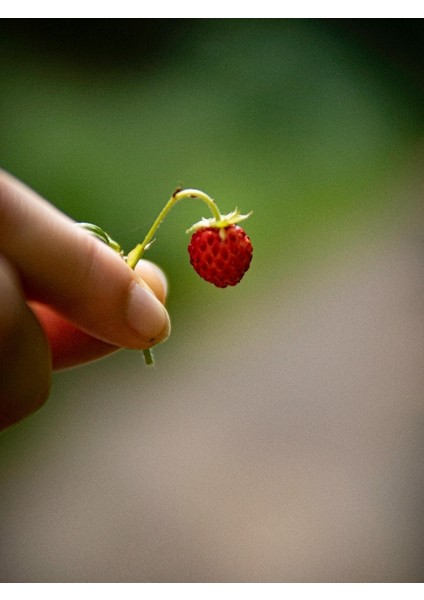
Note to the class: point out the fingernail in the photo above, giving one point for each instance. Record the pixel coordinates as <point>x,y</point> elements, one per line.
<point>147,316</point>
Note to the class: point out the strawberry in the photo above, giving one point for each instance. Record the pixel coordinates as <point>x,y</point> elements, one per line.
<point>220,255</point>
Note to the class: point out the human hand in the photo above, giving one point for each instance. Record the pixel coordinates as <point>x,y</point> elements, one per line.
<point>65,299</point>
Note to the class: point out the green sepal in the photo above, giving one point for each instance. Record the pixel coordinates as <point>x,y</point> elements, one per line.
<point>101,235</point>
<point>232,218</point>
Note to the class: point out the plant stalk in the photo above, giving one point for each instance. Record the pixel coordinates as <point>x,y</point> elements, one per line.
<point>136,254</point>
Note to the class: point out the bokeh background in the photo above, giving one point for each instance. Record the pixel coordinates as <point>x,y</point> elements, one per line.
<point>280,436</point>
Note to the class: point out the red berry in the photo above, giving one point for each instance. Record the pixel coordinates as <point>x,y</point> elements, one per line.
<point>220,255</point>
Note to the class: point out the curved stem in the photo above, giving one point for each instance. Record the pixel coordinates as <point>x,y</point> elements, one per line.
<point>135,254</point>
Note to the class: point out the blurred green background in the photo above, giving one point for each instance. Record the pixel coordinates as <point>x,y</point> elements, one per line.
<point>312,124</point>
<point>300,121</point>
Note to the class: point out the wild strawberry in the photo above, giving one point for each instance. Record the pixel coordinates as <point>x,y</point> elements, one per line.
<point>220,255</point>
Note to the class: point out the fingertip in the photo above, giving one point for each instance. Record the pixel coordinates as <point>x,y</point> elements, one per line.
<point>154,277</point>
<point>147,316</point>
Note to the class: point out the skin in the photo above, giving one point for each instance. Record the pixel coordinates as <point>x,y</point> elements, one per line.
<point>65,299</point>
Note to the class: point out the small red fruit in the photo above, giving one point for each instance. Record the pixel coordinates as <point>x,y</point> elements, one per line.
<point>220,255</point>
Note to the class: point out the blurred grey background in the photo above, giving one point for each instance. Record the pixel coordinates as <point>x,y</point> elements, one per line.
<point>280,436</point>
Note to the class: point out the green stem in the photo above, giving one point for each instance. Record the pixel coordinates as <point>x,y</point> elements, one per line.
<point>148,357</point>
<point>135,255</point>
